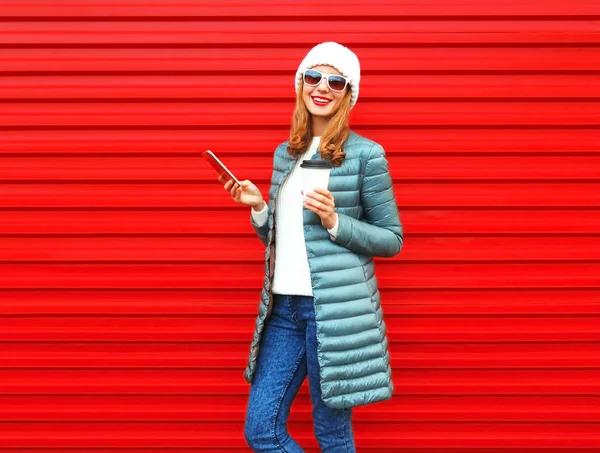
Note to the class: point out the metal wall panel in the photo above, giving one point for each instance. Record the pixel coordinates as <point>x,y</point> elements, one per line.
<point>129,280</point>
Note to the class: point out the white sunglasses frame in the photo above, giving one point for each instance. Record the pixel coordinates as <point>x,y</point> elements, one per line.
<point>326,77</point>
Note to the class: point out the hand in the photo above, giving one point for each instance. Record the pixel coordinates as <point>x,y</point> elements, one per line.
<point>321,202</point>
<point>247,194</point>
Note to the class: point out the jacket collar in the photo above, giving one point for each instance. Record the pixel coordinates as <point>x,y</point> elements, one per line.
<point>349,141</point>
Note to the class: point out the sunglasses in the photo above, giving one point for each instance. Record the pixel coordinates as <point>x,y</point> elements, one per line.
<point>312,78</point>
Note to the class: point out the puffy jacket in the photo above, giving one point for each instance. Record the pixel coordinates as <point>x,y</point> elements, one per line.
<point>351,334</point>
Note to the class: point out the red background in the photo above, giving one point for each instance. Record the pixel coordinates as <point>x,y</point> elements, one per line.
<point>129,280</point>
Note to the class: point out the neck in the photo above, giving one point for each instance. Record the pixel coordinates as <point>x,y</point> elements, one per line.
<point>318,124</point>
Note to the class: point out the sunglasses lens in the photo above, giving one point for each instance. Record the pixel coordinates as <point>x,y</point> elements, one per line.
<point>337,83</point>
<point>312,77</point>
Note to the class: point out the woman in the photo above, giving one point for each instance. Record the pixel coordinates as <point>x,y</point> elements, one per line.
<point>320,314</point>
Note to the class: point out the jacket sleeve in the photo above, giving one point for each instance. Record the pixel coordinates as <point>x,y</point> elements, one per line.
<point>379,233</point>
<point>262,227</point>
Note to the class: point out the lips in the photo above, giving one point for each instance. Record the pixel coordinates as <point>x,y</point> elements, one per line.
<point>321,102</point>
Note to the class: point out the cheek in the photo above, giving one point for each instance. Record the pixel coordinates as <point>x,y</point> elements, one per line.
<point>306,96</point>
<point>337,97</point>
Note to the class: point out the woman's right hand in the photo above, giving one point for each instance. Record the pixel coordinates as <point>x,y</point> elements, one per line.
<point>247,194</point>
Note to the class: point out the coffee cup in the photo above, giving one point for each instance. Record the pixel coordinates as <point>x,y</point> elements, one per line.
<point>315,174</point>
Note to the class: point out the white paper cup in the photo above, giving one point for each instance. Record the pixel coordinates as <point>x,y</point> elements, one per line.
<point>315,174</point>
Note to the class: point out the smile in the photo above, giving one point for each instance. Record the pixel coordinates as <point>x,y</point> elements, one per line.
<point>320,101</point>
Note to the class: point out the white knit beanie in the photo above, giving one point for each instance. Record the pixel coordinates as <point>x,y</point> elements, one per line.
<point>338,56</point>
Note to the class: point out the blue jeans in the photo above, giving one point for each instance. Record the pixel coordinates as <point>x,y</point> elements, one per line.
<point>288,353</point>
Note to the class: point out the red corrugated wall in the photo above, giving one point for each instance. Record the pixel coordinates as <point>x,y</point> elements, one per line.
<point>129,280</point>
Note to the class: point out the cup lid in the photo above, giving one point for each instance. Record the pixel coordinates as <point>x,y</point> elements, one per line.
<point>319,163</point>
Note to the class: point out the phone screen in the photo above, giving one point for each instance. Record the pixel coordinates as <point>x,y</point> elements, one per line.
<point>219,167</point>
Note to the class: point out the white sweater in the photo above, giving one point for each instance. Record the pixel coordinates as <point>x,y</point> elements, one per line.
<point>292,274</point>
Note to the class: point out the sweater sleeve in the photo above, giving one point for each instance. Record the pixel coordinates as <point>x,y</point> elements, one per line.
<point>379,233</point>
<point>333,230</point>
<point>260,217</point>
<point>258,220</point>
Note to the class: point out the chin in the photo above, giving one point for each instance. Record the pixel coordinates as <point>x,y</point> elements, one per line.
<point>319,111</point>
<point>327,114</point>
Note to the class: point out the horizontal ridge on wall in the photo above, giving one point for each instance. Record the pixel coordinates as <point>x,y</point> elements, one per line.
<point>446,59</point>
<point>186,169</point>
<point>230,9</point>
<point>409,302</point>
<point>453,275</point>
<point>433,222</point>
<point>433,140</point>
<point>395,33</point>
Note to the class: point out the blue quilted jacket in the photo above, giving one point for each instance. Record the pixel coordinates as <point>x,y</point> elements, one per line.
<point>351,334</point>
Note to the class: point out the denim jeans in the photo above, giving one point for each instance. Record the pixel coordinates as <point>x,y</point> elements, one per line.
<point>288,353</point>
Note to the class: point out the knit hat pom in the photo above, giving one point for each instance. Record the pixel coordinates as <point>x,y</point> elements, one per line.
<point>338,56</point>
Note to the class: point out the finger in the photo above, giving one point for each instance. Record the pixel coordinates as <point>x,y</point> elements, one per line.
<point>319,195</point>
<point>326,193</point>
<point>323,199</point>
<point>322,209</point>
<point>318,206</point>
<point>312,196</point>
<point>310,207</point>
<point>322,214</point>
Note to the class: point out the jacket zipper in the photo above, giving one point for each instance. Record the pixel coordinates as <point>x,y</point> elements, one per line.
<point>272,244</point>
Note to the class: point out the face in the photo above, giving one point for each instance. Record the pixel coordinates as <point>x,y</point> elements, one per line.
<point>320,100</point>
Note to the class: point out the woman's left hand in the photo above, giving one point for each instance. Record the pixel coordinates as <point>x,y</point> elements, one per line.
<point>321,202</point>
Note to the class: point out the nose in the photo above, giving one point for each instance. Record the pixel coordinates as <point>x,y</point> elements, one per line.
<point>322,86</point>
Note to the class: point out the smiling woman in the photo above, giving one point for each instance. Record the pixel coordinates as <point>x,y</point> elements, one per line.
<point>320,313</point>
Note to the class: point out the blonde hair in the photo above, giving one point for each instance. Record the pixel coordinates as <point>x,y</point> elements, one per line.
<point>333,137</point>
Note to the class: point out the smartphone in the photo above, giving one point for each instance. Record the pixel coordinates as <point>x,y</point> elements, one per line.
<point>220,168</point>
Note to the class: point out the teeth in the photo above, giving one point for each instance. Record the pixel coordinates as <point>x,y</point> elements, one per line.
<point>322,100</point>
